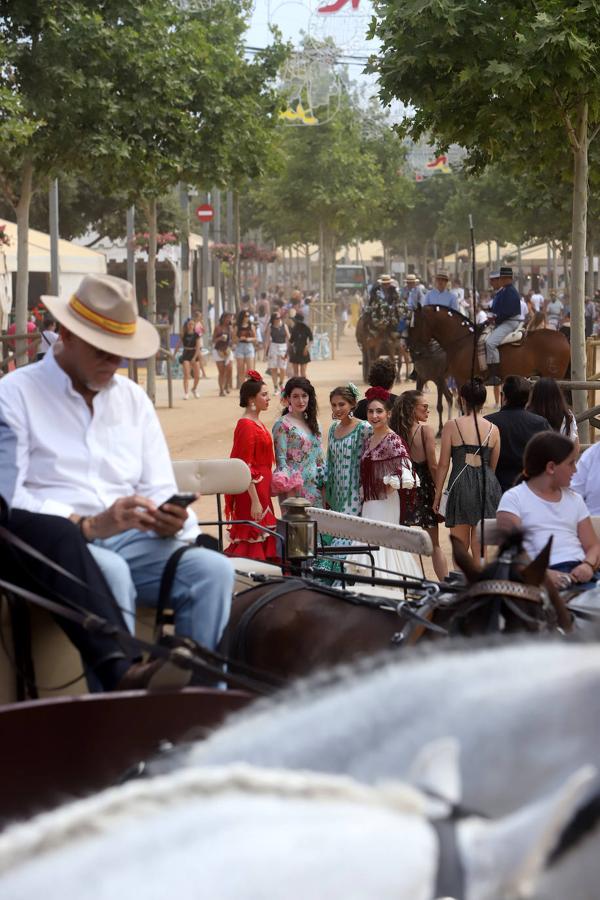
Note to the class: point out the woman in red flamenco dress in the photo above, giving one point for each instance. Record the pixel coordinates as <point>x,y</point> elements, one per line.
<point>253,443</point>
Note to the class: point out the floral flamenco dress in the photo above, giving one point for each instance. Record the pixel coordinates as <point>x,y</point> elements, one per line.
<point>252,442</point>
<point>299,460</point>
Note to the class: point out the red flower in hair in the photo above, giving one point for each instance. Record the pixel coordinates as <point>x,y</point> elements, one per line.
<point>253,375</point>
<point>377,393</point>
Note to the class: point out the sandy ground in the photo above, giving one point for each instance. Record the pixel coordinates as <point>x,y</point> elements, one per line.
<point>203,428</point>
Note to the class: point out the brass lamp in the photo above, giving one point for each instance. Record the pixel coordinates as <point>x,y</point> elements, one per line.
<point>298,531</point>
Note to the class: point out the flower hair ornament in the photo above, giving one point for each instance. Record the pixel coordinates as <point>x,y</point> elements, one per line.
<point>253,375</point>
<point>353,390</point>
<point>377,393</point>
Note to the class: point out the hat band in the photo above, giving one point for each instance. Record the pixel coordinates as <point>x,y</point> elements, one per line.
<point>103,322</point>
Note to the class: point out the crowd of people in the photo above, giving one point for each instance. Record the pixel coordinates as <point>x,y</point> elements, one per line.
<point>387,468</point>
<point>86,477</point>
<point>270,330</point>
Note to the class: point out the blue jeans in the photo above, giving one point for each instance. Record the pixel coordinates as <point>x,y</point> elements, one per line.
<point>567,568</point>
<point>133,564</point>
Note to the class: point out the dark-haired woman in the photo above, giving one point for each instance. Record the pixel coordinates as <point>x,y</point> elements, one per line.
<point>244,340</point>
<point>190,358</point>
<point>547,400</point>
<point>345,444</point>
<point>276,348</point>
<point>474,491</point>
<point>252,442</point>
<point>222,353</point>
<point>299,459</point>
<point>381,374</point>
<point>385,469</point>
<point>409,420</point>
<point>544,505</point>
<point>301,338</point>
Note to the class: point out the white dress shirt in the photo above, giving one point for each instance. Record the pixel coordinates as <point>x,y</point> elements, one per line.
<point>70,461</point>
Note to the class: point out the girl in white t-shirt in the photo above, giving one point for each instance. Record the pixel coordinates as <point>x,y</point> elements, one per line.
<point>544,506</point>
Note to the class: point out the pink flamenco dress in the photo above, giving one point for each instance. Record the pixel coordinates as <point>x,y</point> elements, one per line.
<point>252,442</point>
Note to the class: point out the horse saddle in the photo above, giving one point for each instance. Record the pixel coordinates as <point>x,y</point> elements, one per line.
<point>515,337</point>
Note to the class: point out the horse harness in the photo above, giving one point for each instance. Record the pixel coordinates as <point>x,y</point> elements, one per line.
<point>507,592</point>
<point>238,639</point>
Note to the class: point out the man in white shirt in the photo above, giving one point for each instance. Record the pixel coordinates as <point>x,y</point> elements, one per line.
<point>89,447</point>
<point>586,480</point>
<point>537,301</point>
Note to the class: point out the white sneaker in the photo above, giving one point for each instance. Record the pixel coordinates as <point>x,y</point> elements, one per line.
<point>196,394</point>
<point>186,396</point>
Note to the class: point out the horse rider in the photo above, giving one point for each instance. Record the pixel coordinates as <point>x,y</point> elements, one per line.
<point>384,307</point>
<point>440,295</point>
<point>416,291</point>
<point>505,310</point>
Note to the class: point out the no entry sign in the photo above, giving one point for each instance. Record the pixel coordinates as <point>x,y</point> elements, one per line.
<point>205,212</point>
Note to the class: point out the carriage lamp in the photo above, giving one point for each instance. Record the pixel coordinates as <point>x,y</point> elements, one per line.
<point>298,531</point>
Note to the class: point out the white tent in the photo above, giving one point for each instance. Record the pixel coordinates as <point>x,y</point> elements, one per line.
<point>74,263</point>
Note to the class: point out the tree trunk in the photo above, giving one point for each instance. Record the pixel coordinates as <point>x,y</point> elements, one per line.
<point>578,239</point>
<point>554,266</point>
<point>321,264</point>
<point>564,252</point>
<point>151,287</point>
<point>590,272</point>
<point>548,267</point>
<point>425,274</point>
<point>22,297</point>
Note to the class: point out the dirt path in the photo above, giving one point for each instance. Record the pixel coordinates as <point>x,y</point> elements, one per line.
<point>204,428</point>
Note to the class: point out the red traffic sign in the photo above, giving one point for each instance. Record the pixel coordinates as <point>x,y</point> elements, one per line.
<point>205,212</point>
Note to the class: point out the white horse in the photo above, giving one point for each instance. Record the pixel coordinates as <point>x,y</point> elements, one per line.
<point>242,833</point>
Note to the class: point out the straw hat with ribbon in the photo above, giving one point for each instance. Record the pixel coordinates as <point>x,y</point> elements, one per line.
<point>103,312</point>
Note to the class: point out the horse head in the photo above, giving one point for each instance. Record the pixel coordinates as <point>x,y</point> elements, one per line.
<point>510,594</point>
<point>418,329</point>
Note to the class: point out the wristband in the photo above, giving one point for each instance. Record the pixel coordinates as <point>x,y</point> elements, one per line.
<point>591,565</point>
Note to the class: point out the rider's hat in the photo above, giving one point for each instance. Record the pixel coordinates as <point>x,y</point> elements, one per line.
<point>494,275</point>
<point>506,272</point>
<point>411,277</point>
<point>441,273</point>
<point>385,279</point>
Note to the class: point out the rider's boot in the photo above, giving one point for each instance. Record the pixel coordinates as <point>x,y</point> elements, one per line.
<point>493,374</point>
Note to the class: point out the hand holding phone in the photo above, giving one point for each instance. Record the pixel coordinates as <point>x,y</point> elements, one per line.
<point>182,500</point>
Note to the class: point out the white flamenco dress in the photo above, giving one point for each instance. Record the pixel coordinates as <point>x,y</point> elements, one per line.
<point>381,471</point>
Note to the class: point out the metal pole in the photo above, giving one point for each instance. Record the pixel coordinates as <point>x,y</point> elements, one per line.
<point>131,245</point>
<point>54,237</point>
<point>205,266</point>
<point>183,307</point>
<point>216,261</point>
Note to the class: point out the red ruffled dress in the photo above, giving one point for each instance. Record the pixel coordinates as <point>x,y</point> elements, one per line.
<point>253,443</point>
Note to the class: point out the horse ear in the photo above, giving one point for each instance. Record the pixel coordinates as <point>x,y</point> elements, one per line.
<point>436,771</point>
<point>535,572</point>
<point>506,857</point>
<point>464,560</point>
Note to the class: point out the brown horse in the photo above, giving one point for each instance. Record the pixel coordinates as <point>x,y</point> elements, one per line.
<point>375,343</point>
<point>290,627</point>
<point>543,352</point>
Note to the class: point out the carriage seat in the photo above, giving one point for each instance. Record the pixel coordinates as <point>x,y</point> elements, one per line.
<point>214,477</point>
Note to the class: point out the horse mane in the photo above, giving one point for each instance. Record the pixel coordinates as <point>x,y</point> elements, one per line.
<point>451,312</point>
<point>98,814</point>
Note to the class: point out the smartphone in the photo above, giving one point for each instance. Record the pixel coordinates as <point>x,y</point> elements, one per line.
<point>182,500</point>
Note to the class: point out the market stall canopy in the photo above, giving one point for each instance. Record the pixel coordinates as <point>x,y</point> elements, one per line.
<point>73,259</point>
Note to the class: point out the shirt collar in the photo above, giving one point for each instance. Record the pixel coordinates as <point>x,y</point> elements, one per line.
<point>55,373</point>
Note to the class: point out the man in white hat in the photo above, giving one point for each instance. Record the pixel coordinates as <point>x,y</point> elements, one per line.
<point>384,304</point>
<point>440,295</point>
<point>90,448</point>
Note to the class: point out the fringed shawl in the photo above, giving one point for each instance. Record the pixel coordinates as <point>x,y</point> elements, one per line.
<point>389,457</point>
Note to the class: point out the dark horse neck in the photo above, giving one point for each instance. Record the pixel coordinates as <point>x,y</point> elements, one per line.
<point>543,352</point>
